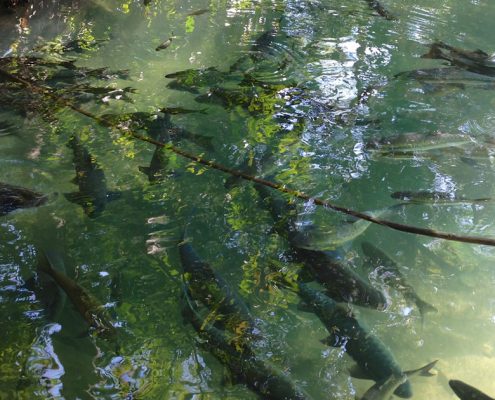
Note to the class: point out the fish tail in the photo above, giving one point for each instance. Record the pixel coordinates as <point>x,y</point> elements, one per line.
<point>434,52</point>
<point>43,262</point>
<point>423,371</point>
<point>425,307</point>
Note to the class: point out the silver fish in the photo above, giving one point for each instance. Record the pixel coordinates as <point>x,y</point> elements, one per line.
<point>385,390</point>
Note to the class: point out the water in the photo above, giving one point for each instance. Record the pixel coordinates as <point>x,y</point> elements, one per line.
<point>316,134</point>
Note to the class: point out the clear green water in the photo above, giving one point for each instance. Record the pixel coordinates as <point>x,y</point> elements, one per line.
<point>333,50</point>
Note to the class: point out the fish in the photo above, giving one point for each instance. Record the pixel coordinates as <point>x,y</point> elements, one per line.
<point>165,44</point>
<point>6,129</point>
<point>390,273</point>
<point>47,292</point>
<point>244,365</point>
<point>15,197</point>
<point>449,77</point>
<point>258,50</point>
<point>373,358</point>
<point>198,12</point>
<point>159,161</point>
<point>93,194</point>
<point>340,281</point>
<point>181,110</point>
<point>90,309</point>
<point>412,142</point>
<point>385,390</point>
<point>474,61</point>
<point>212,291</point>
<point>436,197</point>
<point>380,10</point>
<point>193,79</point>
<point>467,392</point>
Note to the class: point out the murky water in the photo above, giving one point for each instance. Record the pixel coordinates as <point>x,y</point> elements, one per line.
<point>319,85</point>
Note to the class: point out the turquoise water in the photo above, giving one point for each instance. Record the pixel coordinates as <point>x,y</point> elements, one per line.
<point>322,57</point>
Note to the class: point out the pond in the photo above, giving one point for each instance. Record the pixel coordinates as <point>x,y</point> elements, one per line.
<point>138,273</point>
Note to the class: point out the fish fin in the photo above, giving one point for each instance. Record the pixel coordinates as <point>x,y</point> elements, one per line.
<point>30,284</point>
<point>77,198</point>
<point>423,371</point>
<point>333,340</point>
<point>144,170</point>
<point>303,306</point>
<point>425,307</point>
<point>357,372</point>
<point>113,195</point>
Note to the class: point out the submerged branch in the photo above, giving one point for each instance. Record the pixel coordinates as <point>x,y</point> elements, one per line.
<point>281,188</point>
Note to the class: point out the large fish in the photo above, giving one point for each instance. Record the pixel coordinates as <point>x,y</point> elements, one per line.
<point>340,281</point>
<point>48,293</point>
<point>209,288</point>
<point>467,392</point>
<point>390,273</point>
<point>428,197</point>
<point>261,47</point>
<point>449,77</point>
<point>412,142</point>
<point>14,197</point>
<point>475,61</point>
<point>385,390</point>
<point>93,194</point>
<point>373,358</point>
<point>89,308</point>
<point>242,362</point>
<point>380,9</point>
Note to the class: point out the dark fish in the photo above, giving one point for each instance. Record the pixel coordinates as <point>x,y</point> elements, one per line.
<point>449,77</point>
<point>253,99</point>
<point>79,46</point>
<point>165,44</point>
<point>193,79</point>
<point>339,280</point>
<point>46,290</point>
<point>374,359</point>
<point>93,194</point>
<point>14,197</point>
<point>475,61</point>
<point>467,392</point>
<point>385,390</point>
<point>436,197</point>
<point>258,51</point>
<point>159,161</point>
<point>180,110</point>
<point>198,12</point>
<point>204,285</point>
<point>89,308</point>
<point>379,9</point>
<point>242,362</point>
<point>390,273</point>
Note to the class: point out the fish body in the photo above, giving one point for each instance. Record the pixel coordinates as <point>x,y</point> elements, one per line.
<point>165,44</point>
<point>476,61</point>
<point>374,359</point>
<point>181,110</point>
<point>242,362</point>
<point>385,390</point>
<point>412,142</point>
<point>89,308</point>
<point>14,197</point>
<point>93,194</point>
<point>258,50</point>
<point>339,280</point>
<point>467,392</point>
<point>198,12</point>
<point>391,275</point>
<point>206,286</point>
<point>157,167</point>
<point>379,9</point>
<point>426,197</point>
<point>450,76</point>
<point>192,80</point>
